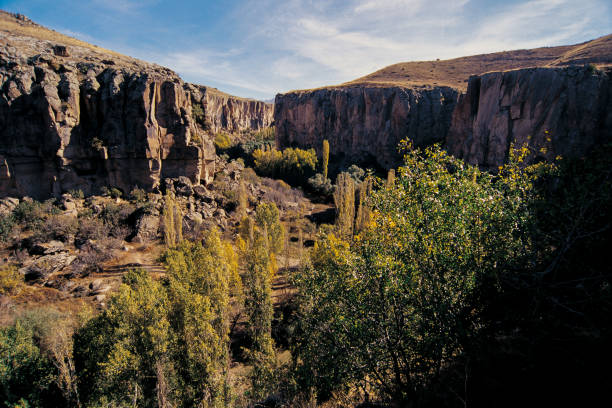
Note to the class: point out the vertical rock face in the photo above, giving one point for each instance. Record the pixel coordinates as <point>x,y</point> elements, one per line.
<point>555,111</point>
<point>82,119</point>
<point>364,124</point>
<point>234,114</point>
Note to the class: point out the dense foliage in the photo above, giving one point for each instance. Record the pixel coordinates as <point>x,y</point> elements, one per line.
<point>294,166</point>
<point>404,306</point>
<point>164,343</point>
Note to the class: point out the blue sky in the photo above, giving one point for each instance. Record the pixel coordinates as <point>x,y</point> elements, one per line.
<point>261,47</point>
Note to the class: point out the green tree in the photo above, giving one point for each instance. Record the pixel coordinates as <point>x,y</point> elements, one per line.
<point>267,217</point>
<point>36,365</point>
<point>258,273</point>
<point>392,308</point>
<point>325,157</point>
<point>200,280</point>
<point>123,352</point>
<point>344,199</point>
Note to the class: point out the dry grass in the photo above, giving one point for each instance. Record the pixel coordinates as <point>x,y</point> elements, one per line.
<point>12,25</point>
<point>455,72</point>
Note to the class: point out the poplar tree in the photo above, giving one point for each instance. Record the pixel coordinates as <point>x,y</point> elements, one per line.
<point>344,199</point>
<point>325,158</point>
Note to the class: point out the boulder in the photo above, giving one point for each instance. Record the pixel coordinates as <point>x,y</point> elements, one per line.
<point>191,221</point>
<point>183,186</point>
<point>7,205</point>
<point>46,265</point>
<point>146,227</point>
<point>48,248</point>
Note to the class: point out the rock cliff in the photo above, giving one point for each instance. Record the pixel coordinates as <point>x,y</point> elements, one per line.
<point>549,89</point>
<point>555,111</point>
<point>75,116</point>
<point>364,124</point>
<point>231,113</point>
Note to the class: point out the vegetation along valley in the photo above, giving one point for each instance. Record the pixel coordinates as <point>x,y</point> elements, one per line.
<point>434,233</point>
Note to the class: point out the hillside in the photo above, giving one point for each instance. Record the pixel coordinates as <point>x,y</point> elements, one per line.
<point>475,106</point>
<point>455,72</point>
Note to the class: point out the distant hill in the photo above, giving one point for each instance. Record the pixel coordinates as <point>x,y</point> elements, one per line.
<point>455,72</point>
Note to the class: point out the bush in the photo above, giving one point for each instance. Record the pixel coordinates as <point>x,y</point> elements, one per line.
<point>197,111</point>
<point>320,185</point>
<point>356,173</point>
<point>7,225</point>
<point>90,229</point>
<point>59,227</point>
<point>292,165</point>
<point>115,218</point>
<point>10,280</point>
<point>138,195</point>
<point>265,134</point>
<point>112,192</point>
<point>222,142</point>
<point>29,214</point>
<point>77,193</point>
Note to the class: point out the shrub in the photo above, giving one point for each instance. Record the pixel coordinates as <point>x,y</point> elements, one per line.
<point>10,280</point>
<point>76,193</point>
<point>7,224</point>
<point>222,142</point>
<point>59,227</point>
<point>265,134</point>
<point>292,165</point>
<point>96,143</point>
<point>115,218</point>
<point>321,185</point>
<point>29,214</point>
<point>356,173</point>
<point>197,111</point>
<point>91,229</point>
<point>138,195</point>
<point>112,192</point>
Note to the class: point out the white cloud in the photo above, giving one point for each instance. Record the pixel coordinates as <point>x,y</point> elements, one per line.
<point>295,44</point>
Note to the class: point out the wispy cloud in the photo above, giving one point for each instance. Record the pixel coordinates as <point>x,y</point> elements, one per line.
<point>124,6</point>
<point>259,48</point>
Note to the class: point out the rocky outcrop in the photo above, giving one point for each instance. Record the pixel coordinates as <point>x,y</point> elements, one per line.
<point>74,116</point>
<point>364,124</point>
<point>555,111</point>
<point>82,123</point>
<point>231,113</point>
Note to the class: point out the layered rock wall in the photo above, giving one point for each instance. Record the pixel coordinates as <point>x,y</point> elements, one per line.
<point>230,113</point>
<point>364,124</point>
<point>555,111</point>
<point>77,119</point>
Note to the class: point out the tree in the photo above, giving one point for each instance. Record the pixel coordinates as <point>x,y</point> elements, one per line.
<point>122,354</point>
<point>344,199</point>
<point>36,364</point>
<point>201,278</point>
<point>325,157</point>
<point>267,217</point>
<point>391,309</point>
<point>172,221</point>
<point>258,307</point>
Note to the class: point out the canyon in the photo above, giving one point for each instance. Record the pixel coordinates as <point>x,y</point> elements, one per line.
<point>74,116</point>
<point>557,100</point>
